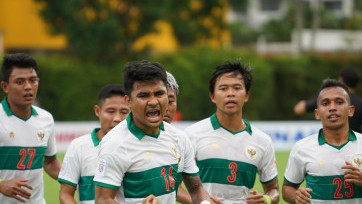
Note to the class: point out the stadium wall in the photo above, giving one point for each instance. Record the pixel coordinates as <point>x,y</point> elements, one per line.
<point>283,133</point>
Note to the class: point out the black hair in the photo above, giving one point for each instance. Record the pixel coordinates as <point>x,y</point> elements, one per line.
<point>350,76</point>
<point>20,60</point>
<point>232,66</point>
<point>110,90</point>
<point>142,71</point>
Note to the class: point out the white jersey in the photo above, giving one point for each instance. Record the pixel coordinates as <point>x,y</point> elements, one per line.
<point>23,145</point>
<point>320,164</point>
<point>137,165</point>
<point>79,165</point>
<point>229,161</point>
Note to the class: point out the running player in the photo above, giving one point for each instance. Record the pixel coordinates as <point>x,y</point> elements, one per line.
<point>27,143</point>
<point>331,160</point>
<point>228,150</point>
<point>80,160</point>
<point>142,155</point>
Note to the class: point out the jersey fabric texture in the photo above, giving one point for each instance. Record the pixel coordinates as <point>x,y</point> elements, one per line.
<point>229,161</point>
<point>23,145</point>
<point>137,165</point>
<point>79,165</point>
<point>355,122</point>
<point>320,164</point>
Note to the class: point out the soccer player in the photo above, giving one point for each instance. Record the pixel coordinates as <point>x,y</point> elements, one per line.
<point>172,93</point>
<point>142,155</point>
<point>331,160</point>
<point>80,160</point>
<point>229,151</point>
<point>27,143</point>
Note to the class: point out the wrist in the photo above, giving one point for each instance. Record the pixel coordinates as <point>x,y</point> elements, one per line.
<point>267,199</point>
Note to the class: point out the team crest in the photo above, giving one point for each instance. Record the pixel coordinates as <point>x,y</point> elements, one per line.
<point>40,135</point>
<point>175,152</point>
<point>357,160</point>
<point>321,164</point>
<point>11,134</point>
<point>251,152</point>
<point>215,146</point>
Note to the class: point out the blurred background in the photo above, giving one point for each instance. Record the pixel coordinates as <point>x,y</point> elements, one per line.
<point>82,45</point>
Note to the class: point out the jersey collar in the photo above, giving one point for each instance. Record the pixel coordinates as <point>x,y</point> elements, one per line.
<point>138,132</point>
<point>216,124</point>
<point>95,139</point>
<point>9,112</point>
<point>322,140</point>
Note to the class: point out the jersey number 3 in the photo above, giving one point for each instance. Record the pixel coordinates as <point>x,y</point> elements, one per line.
<point>24,154</point>
<point>234,167</point>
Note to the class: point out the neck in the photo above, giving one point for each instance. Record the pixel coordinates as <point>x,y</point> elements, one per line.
<point>100,134</point>
<point>23,112</point>
<point>232,122</point>
<point>336,137</point>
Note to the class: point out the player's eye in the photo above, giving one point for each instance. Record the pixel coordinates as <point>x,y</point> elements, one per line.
<point>19,82</point>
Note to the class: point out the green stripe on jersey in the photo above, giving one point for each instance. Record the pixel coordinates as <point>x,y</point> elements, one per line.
<point>157,181</point>
<point>227,172</point>
<point>86,188</point>
<point>21,158</point>
<point>332,188</point>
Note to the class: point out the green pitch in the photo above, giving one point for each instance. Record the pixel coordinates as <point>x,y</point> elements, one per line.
<point>52,186</point>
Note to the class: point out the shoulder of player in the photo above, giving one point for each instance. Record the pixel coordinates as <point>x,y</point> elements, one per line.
<point>201,126</point>
<point>42,112</point>
<point>256,132</point>
<point>81,140</point>
<point>307,143</point>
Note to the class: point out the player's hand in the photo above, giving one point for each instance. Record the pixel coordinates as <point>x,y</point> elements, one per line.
<point>215,200</point>
<point>352,174</point>
<point>151,199</point>
<point>255,197</point>
<point>302,195</point>
<point>13,188</point>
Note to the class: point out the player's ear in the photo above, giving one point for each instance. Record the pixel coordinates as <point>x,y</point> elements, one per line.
<point>351,110</point>
<point>316,114</point>
<point>97,110</point>
<point>4,86</point>
<point>128,100</point>
<point>212,97</point>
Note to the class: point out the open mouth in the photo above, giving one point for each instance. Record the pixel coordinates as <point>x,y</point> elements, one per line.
<point>333,117</point>
<point>153,116</point>
<point>28,96</point>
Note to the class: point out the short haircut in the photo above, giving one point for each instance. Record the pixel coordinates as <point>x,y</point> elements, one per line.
<point>108,91</point>
<point>142,71</point>
<point>350,76</point>
<point>172,83</point>
<point>232,66</point>
<point>329,83</point>
<point>20,60</point>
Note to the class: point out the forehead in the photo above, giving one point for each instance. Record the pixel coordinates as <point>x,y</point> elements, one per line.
<point>171,92</point>
<point>114,100</point>
<point>230,76</point>
<point>333,93</point>
<point>22,72</point>
<point>148,86</point>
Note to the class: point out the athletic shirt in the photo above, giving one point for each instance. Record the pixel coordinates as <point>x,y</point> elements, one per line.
<point>320,164</point>
<point>229,161</point>
<point>137,165</point>
<point>23,145</point>
<point>79,165</point>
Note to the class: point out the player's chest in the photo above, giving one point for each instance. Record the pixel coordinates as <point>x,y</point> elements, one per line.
<point>19,133</point>
<point>233,147</point>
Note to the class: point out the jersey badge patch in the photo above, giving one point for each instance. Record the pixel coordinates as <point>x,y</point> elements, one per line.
<point>40,135</point>
<point>215,146</point>
<point>102,164</point>
<point>251,152</point>
<point>357,161</point>
<point>11,134</point>
<point>175,152</point>
<point>321,164</point>
<point>148,155</point>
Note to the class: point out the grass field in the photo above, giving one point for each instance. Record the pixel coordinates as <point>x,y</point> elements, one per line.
<point>52,186</point>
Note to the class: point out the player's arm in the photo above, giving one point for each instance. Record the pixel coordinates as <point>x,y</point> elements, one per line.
<point>194,186</point>
<point>352,174</point>
<point>52,166</point>
<point>182,195</point>
<point>14,188</point>
<point>296,194</point>
<point>66,193</point>
<point>104,195</point>
<point>271,195</point>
